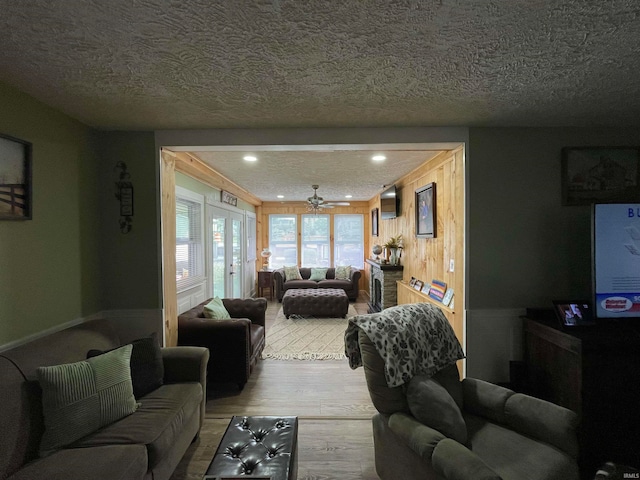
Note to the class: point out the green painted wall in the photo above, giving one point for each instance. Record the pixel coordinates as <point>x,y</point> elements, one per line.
<point>130,262</point>
<point>49,266</point>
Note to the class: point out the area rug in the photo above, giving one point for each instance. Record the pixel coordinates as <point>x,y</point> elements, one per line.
<point>306,338</point>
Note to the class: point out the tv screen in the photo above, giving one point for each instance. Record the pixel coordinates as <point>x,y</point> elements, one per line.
<point>389,203</point>
<point>616,260</point>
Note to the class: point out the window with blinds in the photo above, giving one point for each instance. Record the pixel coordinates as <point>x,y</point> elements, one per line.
<point>189,240</point>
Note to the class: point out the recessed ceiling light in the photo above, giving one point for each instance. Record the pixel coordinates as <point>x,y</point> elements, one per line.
<point>250,158</point>
<point>348,196</point>
<point>378,158</point>
<point>280,196</point>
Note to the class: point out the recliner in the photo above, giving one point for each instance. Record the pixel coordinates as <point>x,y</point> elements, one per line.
<point>235,345</point>
<point>509,435</point>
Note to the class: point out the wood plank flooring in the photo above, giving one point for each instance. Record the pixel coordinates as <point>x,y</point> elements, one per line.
<point>332,404</point>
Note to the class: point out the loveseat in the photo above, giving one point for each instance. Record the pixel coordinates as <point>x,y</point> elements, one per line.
<point>145,444</point>
<point>350,286</point>
<point>434,426</point>
<point>235,344</point>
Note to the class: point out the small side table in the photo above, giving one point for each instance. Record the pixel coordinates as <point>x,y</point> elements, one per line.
<point>265,280</point>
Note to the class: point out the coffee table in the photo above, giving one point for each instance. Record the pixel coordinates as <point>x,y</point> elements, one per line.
<point>257,448</point>
<point>319,302</point>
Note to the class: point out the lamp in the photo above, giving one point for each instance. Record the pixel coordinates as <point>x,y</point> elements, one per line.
<point>265,254</point>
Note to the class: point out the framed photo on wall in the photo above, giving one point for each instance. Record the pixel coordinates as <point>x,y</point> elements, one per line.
<point>15,179</point>
<point>374,222</point>
<point>600,174</point>
<point>426,211</point>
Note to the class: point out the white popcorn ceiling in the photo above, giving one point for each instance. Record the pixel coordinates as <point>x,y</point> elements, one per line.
<point>158,64</point>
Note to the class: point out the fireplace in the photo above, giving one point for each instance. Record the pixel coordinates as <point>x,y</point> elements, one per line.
<point>383,291</point>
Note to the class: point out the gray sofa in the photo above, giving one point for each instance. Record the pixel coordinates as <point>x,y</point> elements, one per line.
<point>147,444</point>
<point>509,436</point>
<point>351,286</point>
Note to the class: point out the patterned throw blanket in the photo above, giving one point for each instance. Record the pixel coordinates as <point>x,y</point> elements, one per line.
<point>412,339</point>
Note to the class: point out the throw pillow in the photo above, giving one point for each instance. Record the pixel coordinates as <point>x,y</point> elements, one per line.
<point>147,368</point>
<point>292,273</point>
<point>343,273</point>
<point>79,398</point>
<point>433,406</point>
<point>216,309</point>
<point>318,274</point>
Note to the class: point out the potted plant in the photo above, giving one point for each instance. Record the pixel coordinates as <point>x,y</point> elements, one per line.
<point>394,245</point>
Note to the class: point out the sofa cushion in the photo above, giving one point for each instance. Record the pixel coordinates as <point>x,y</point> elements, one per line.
<point>433,406</point>
<point>157,423</point>
<point>332,283</point>
<point>215,309</point>
<point>113,462</point>
<point>79,398</point>
<point>498,446</point>
<point>147,368</point>
<point>292,273</point>
<point>300,284</point>
<point>343,273</point>
<point>318,274</point>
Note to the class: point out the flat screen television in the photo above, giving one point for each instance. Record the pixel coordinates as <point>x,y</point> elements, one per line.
<point>389,203</point>
<point>616,260</point>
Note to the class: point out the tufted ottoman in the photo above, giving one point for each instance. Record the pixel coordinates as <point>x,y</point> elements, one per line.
<point>319,302</point>
<point>257,447</point>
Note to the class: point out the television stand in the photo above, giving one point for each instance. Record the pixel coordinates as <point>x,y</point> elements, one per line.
<point>594,371</point>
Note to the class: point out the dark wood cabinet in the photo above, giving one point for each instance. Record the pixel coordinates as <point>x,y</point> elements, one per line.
<point>265,280</point>
<point>594,371</point>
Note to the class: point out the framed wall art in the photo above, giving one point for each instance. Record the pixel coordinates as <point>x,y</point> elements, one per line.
<point>600,174</point>
<point>374,222</point>
<point>15,179</point>
<point>426,211</point>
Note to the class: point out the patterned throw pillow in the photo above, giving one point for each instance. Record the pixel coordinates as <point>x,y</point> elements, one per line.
<point>215,309</point>
<point>292,273</point>
<point>318,274</point>
<point>79,398</point>
<point>343,273</point>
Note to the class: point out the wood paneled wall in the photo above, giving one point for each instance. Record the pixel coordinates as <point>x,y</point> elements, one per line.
<point>428,258</point>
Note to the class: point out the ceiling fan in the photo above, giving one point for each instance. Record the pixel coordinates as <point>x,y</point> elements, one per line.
<point>316,203</point>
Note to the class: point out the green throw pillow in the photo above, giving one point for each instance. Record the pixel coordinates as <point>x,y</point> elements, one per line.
<point>292,273</point>
<point>318,274</point>
<point>79,398</point>
<point>216,309</point>
<point>343,273</point>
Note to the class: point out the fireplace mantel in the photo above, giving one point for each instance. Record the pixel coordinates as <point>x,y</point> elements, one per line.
<point>383,291</point>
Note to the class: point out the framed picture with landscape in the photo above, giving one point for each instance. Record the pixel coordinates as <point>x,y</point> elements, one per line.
<point>600,175</point>
<point>426,211</point>
<point>15,179</point>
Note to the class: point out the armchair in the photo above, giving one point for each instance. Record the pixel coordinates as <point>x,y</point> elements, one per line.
<point>234,345</point>
<point>499,434</point>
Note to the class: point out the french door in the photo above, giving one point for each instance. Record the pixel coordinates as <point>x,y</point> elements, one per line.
<point>225,242</point>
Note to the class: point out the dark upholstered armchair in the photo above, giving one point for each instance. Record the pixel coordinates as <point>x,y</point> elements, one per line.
<point>234,345</point>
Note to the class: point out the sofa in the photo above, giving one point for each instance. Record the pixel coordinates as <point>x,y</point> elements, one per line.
<point>145,444</point>
<point>235,344</point>
<point>503,434</point>
<point>350,286</point>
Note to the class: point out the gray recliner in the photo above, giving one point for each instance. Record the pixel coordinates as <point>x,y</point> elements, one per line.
<point>498,433</point>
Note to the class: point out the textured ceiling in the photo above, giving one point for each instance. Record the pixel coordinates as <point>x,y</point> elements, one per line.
<point>338,173</point>
<point>158,64</point>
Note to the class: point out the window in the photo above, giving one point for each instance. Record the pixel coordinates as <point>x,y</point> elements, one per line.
<point>283,240</point>
<point>316,250</point>
<point>189,239</point>
<point>349,240</point>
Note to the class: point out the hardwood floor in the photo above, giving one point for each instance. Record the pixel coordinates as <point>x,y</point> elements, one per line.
<point>332,404</point>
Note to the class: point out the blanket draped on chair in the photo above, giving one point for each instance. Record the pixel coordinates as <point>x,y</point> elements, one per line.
<point>412,339</point>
